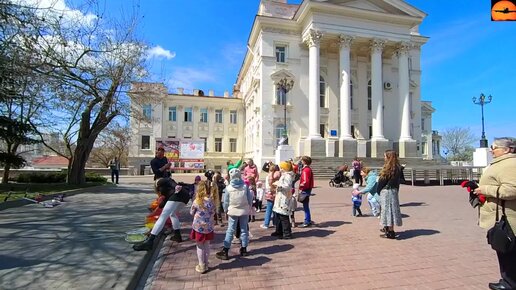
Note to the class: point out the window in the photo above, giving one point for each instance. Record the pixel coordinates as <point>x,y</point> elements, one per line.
<point>281,96</point>
<point>322,92</point>
<point>188,114</point>
<point>422,124</point>
<point>281,53</point>
<point>322,130</point>
<point>369,93</point>
<point>145,142</point>
<point>353,131</point>
<point>147,111</point>
<point>172,114</point>
<point>218,116</point>
<point>205,141</point>
<point>232,145</point>
<point>218,144</point>
<point>280,130</point>
<point>410,105</point>
<point>233,118</point>
<point>370,132</point>
<point>204,115</point>
<point>350,94</point>
<point>423,148</point>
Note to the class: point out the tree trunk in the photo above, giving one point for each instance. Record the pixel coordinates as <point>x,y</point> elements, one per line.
<point>76,170</point>
<point>5,178</point>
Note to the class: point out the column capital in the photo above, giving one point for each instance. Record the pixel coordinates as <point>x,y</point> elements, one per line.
<point>313,38</point>
<point>345,41</point>
<point>377,45</point>
<point>403,48</point>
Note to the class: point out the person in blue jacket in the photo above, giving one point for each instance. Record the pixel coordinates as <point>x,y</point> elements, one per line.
<point>371,178</point>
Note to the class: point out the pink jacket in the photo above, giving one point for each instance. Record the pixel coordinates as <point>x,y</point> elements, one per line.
<point>250,171</point>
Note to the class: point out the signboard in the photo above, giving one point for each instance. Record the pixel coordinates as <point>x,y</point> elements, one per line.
<point>184,154</point>
<point>333,133</point>
<point>171,148</point>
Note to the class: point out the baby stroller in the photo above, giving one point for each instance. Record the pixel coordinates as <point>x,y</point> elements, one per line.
<point>340,180</point>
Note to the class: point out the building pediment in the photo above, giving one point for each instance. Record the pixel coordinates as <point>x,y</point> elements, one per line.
<point>395,7</point>
<point>282,74</point>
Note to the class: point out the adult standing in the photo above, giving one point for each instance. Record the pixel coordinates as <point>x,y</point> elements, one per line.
<point>306,183</point>
<point>500,177</point>
<point>114,165</point>
<point>270,194</point>
<point>388,188</point>
<point>160,165</point>
<point>357,168</point>
<point>237,201</point>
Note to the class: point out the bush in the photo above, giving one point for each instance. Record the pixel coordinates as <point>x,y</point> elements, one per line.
<point>57,177</point>
<point>95,177</point>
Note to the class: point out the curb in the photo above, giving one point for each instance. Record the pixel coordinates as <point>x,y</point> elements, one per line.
<point>22,202</point>
<point>145,267</point>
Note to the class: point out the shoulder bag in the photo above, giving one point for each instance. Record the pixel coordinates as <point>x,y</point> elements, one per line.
<point>500,236</point>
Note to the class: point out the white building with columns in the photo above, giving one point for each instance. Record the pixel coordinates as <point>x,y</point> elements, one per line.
<point>355,69</point>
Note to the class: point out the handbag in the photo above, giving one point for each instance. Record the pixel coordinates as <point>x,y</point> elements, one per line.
<point>301,196</point>
<point>500,236</point>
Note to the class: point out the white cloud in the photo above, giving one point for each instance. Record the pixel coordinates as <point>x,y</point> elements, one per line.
<point>159,52</point>
<point>190,78</point>
<point>59,10</point>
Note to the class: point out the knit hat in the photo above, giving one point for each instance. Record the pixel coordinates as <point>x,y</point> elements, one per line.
<point>285,166</point>
<point>235,178</point>
<point>197,178</point>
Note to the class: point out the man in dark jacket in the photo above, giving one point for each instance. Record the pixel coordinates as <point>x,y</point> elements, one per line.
<point>160,165</point>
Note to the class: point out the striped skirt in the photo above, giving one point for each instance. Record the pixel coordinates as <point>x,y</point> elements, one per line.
<point>390,203</point>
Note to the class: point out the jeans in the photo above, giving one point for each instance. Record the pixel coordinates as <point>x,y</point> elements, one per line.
<point>114,173</point>
<point>232,224</point>
<point>306,206</point>
<point>355,209</point>
<point>268,213</point>
<point>170,210</point>
<point>374,204</point>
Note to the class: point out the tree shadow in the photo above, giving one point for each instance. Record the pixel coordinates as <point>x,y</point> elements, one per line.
<point>9,262</point>
<point>408,234</point>
<point>331,224</point>
<point>413,204</point>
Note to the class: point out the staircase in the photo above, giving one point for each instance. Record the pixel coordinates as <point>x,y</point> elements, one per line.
<point>326,168</point>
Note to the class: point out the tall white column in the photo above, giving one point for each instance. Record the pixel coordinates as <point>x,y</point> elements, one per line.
<point>345,71</point>
<point>404,82</point>
<point>313,40</point>
<point>377,88</point>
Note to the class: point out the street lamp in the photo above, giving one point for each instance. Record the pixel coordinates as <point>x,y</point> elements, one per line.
<point>482,101</point>
<point>285,85</point>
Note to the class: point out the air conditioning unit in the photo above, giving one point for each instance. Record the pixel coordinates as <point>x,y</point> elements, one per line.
<point>387,85</point>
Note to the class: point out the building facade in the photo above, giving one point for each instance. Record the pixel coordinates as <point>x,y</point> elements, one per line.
<point>218,120</point>
<point>340,78</point>
<point>353,73</point>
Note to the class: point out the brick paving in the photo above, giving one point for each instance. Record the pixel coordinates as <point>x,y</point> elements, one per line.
<point>439,246</point>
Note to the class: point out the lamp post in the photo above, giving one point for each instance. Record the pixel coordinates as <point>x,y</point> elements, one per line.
<point>482,101</point>
<point>285,85</point>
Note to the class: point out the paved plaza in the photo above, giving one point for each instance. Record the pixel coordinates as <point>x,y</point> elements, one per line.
<point>80,245</point>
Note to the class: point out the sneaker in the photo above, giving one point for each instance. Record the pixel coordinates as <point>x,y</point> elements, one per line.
<point>263,226</point>
<point>305,225</point>
<point>258,210</point>
<point>201,268</point>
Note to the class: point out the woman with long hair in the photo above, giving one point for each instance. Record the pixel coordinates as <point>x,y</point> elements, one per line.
<point>388,188</point>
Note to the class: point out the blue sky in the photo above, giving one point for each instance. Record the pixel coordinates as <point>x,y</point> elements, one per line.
<point>203,43</point>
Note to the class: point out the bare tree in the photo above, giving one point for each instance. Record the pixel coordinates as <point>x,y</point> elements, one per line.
<point>88,62</point>
<point>112,142</point>
<point>456,141</point>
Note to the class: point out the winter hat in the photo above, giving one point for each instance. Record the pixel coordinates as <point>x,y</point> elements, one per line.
<point>197,178</point>
<point>285,166</point>
<point>235,174</point>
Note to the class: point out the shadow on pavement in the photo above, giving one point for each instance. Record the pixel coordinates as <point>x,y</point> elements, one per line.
<point>241,262</point>
<point>404,215</point>
<point>9,262</point>
<point>313,233</point>
<point>415,233</point>
<point>331,224</point>
<point>417,203</point>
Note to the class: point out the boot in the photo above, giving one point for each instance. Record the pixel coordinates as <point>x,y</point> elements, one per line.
<point>243,252</point>
<point>145,246</point>
<point>389,235</point>
<point>223,254</point>
<point>177,236</point>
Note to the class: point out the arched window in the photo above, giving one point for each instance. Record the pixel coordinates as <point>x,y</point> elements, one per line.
<point>279,132</point>
<point>322,92</point>
<point>369,93</point>
<point>350,94</point>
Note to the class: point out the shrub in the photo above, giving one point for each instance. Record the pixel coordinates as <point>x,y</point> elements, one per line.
<point>55,177</point>
<point>95,177</point>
